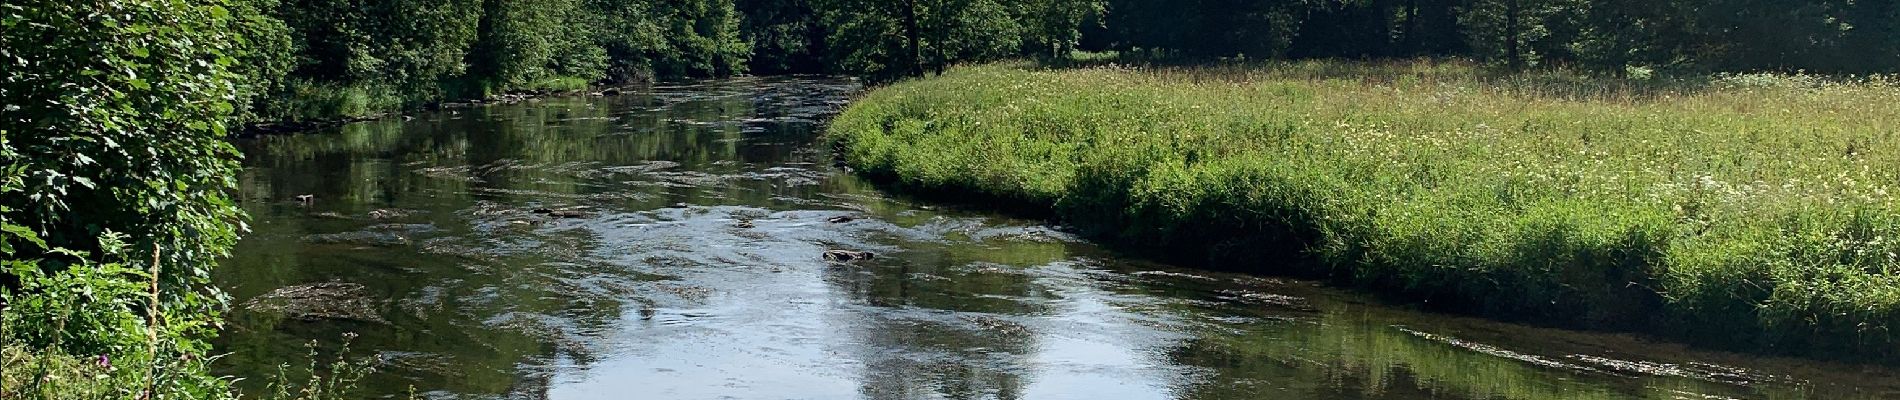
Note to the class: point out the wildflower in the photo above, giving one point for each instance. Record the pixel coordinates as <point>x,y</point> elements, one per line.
<point>103,361</point>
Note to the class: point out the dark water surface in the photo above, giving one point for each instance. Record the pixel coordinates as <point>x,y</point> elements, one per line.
<point>667,244</point>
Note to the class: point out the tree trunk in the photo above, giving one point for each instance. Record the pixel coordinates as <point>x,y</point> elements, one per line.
<point>1511,11</point>
<point>913,33</point>
<point>1382,23</point>
<point>1410,41</point>
<point>942,61</point>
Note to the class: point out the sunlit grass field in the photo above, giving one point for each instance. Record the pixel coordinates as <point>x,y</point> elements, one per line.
<point>1750,211</point>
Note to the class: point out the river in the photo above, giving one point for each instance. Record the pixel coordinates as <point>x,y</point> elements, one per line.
<point>668,243</point>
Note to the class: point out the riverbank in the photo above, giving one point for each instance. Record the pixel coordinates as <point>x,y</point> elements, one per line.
<point>1749,212</point>
<point>317,107</point>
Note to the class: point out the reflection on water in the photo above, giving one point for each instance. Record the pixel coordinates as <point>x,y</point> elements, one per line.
<point>667,244</point>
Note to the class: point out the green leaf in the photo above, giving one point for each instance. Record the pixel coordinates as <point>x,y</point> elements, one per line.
<point>23,233</point>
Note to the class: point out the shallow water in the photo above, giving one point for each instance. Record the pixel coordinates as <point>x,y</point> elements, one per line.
<point>668,244</point>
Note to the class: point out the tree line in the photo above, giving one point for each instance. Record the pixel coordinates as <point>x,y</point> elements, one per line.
<point>1691,36</point>
<point>385,54</point>
<point>1611,35</point>
<point>417,51</point>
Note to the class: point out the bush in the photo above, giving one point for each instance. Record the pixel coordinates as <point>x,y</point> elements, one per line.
<point>113,197</point>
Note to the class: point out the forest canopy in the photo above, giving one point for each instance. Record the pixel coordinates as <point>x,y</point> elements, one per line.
<point>346,57</point>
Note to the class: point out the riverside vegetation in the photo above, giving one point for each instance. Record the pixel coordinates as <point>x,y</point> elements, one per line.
<point>115,179</point>
<point>1753,211</point>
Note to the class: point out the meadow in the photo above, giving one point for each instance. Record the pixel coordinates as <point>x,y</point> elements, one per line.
<point>1746,211</point>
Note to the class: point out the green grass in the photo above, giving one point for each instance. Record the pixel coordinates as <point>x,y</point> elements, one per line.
<point>40,374</point>
<point>1747,211</point>
<point>558,84</point>
<point>307,101</point>
<point>318,101</point>
<point>48,375</point>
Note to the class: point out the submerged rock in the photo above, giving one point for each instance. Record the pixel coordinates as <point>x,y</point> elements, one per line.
<point>360,238</point>
<point>1495,351</point>
<point>319,301</point>
<point>391,213</point>
<point>403,228</point>
<point>1268,299</point>
<point>1171,274</point>
<point>994,324</point>
<point>1692,370</point>
<point>577,212</point>
<point>847,255</point>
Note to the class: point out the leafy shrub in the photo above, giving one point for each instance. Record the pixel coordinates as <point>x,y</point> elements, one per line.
<point>115,124</point>
<point>113,197</point>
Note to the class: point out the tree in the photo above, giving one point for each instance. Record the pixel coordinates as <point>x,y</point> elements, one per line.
<point>114,187</point>
<point>1509,31</point>
<point>1430,28</point>
<point>1207,28</point>
<point>785,36</point>
<point>702,36</point>
<point>891,39</point>
<point>1053,27</point>
<point>629,35</point>
<point>516,40</point>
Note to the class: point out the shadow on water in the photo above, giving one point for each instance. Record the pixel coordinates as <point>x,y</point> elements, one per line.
<point>667,244</point>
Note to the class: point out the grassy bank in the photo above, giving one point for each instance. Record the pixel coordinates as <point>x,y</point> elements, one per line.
<point>1747,211</point>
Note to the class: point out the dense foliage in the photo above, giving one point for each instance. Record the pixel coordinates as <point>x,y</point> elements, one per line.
<point>330,58</point>
<point>320,59</point>
<point>909,37</point>
<point>357,57</point>
<point>114,176</point>
<point>1756,211</point>
<point>1616,35</point>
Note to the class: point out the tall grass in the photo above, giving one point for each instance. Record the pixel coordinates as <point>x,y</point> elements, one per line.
<point>306,101</point>
<point>28,374</point>
<point>1753,211</point>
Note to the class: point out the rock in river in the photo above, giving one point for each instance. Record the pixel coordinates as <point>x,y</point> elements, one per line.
<point>360,238</point>
<point>847,255</point>
<point>577,212</point>
<point>319,301</point>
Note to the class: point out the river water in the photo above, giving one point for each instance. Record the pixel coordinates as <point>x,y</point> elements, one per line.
<point>668,243</point>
